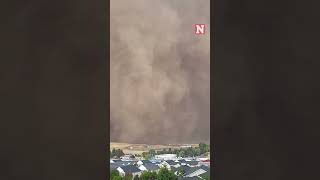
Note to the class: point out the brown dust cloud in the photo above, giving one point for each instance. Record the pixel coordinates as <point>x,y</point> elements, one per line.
<point>159,71</point>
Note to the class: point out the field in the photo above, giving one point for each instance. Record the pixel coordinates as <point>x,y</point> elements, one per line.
<point>128,148</point>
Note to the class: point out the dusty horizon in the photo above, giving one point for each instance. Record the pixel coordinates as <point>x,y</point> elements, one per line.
<point>159,72</point>
<point>137,143</point>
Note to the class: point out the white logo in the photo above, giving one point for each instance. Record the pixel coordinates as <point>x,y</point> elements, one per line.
<point>200,28</point>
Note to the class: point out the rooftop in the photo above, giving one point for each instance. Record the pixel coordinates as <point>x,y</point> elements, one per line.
<point>130,169</point>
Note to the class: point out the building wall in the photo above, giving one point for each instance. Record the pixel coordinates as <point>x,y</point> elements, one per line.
<point>138,173</point>
<point>121,172</point>
<point>142,168</point>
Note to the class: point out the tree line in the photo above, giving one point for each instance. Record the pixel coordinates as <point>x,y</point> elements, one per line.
<point>116,153</point>
<point>163,174</point>
<point>181,152</point>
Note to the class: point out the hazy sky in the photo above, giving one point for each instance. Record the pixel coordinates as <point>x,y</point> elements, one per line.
<point>160,71</point>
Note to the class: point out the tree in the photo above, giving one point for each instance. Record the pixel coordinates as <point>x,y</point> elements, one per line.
<point>117,178</point>
<point>152,152</point>
<point>181,172</point>
<point>136,177</point>
<point>146,155</point>
<point>181,154</point>
<point>113,152</point>
<point>148,176</point>
<point>166,174</point>
<point>114,175</point>
<point>203,148</point>
<point>206,177</point>
<point>197,151</point>
<point>116,153</point>
<point>128,177</point>
<point>119,153</point>
<point>188,151</point>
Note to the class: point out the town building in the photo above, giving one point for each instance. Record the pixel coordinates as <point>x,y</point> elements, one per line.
<point>149,167</point>
<point>191,168</point>
<point>193,163</point>
<point>130,169</point>
<point>141,162</point>
<point>166,157</point>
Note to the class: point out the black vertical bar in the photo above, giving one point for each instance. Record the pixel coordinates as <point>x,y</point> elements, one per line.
<point>54,87</point>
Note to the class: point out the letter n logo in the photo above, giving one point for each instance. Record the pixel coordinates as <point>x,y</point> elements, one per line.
<point>199,28</point>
